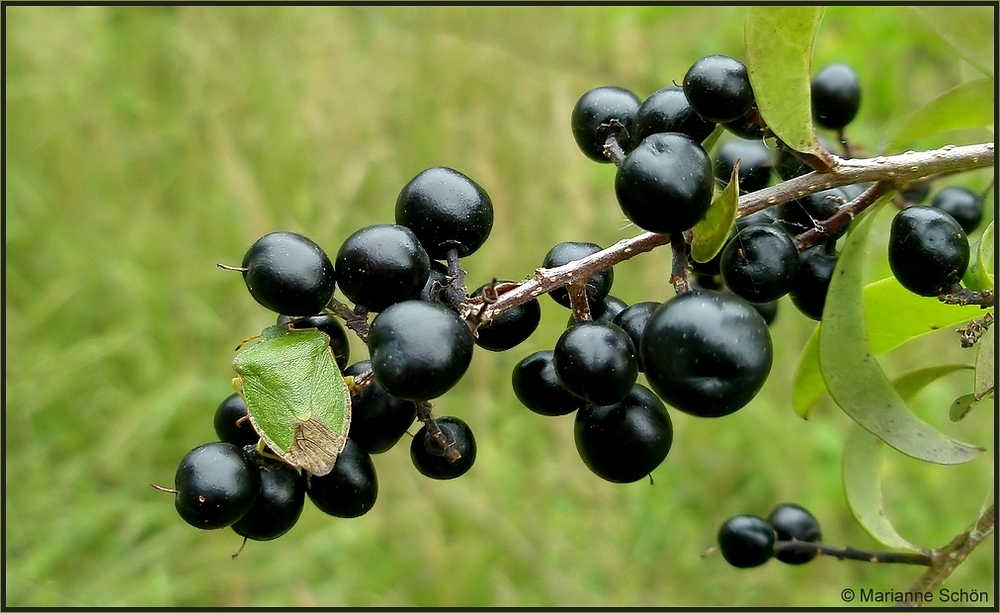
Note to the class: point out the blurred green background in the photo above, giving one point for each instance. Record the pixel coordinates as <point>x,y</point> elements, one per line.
<point>145,145</point>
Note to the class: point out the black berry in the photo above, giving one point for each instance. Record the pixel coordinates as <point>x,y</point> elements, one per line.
<point>668,110</point>
<point>746,541</point>
<point>718,88</point>
<point>625,441</point>
<point>537,387</point>
<point>816,265</point>
<point>446,210</point>
<point>350,489</point>
<point>666,183</point>
<point>791,522</point>
<point>279,505</point>
<point>382,264</point>
<point>928,250</point>
<point>216,485</point>
<point>434,454</point>
<point>593,114</point>
<point>706,353</point>
<point>288,273</point>
<point>802,214</point>
<point>633,321</point>
<point>511,327</point>
<point>760,263</point>
<point>963,204</point>
<point>755,164</point>
<point>596,361</point>
<point>418,349</point>
<point>836,96</point>
<point>232,424</point>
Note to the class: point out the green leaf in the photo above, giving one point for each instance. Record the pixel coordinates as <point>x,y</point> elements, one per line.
<point>862,474</point>
<point>979,275</point>
<point>985,360</point>
<point>863,461</point>
<point>779,42</point>
<point>969,30</point>
<point>711,233</point>
<point>967,105</point>
<point>853,376</point>
<point>893,316</point>
<point>961,406</point>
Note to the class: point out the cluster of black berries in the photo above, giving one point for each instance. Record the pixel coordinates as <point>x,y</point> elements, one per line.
<point>419,343</point>
<point>746,541</point>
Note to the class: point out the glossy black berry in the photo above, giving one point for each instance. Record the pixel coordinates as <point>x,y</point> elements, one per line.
<point>434,455</point>
<point>382,264</point>
<point>350,489</point>
<point>288,273</point>
<point>963,204</point>
<point>625,441</point>
<point>791,522</point>
<point>596,361</point>
<point>418,349</point>
<point>763,217</point>
<point>594,111</point>
<point>537,387</point>
<point>231,422</point>
<point>751,126</point>
<point>340,346</point>
<point>216,485</point>
<point>446,210</point>
<point>767,310</point>
<point>666,183</point>
<point>598,285</point>
<point>836,96</point>
<point>755,164</point>
<point>706,353</point>
<point>746,541</point>
<point>718,88</point>
<point>511,327</point>
<point>378,419</point>
<point>788,165</point>
<point>802,214</point>
<point>668,110</point>
<point>928,250</point>
<point>279,505</point>
<point>808,292</point>
<point>760,263</point>
<point>633,321</point>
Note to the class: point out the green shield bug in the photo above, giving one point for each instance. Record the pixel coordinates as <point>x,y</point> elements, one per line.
<point>297,399</point>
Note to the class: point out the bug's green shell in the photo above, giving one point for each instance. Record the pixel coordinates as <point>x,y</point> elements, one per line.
<point>296,397</point>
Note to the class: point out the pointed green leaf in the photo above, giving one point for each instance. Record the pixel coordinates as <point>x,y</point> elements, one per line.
<point>979,275</point>
<point>985,360</point>
<point>711,233</point>
<point>969,30</point>
<point>967,105</point>
<point>908,384</point>
<point>893,316</point>
<point>853,376</point>
<point>862,474</point>
<point>779,42</point>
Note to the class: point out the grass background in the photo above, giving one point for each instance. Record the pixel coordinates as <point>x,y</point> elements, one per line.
<point>144,145</point>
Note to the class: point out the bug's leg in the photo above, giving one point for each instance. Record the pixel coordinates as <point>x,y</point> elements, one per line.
<point>237,384</point>
<point>247,340</point>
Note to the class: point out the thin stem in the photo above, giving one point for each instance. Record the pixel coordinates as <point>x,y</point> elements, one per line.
<point>681,248</point>
<point>850,553</point>
<point>578,301</point>
<point>454,291</point>
<point>612,145</point>
<point>436,441</point>
<point>836,222</point>
<point>356,319</point>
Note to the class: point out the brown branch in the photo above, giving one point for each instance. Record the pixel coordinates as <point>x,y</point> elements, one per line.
<point>847,212</point>
<point>944,561</point>
<point>897,169</point>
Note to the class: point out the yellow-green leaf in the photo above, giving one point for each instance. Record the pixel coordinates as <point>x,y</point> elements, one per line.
<point>779,42</point>
<point>979,275</point>
<point>711,233</point>
<point>967,105</point>
<point>985,361</point>
<point>853,376</point>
